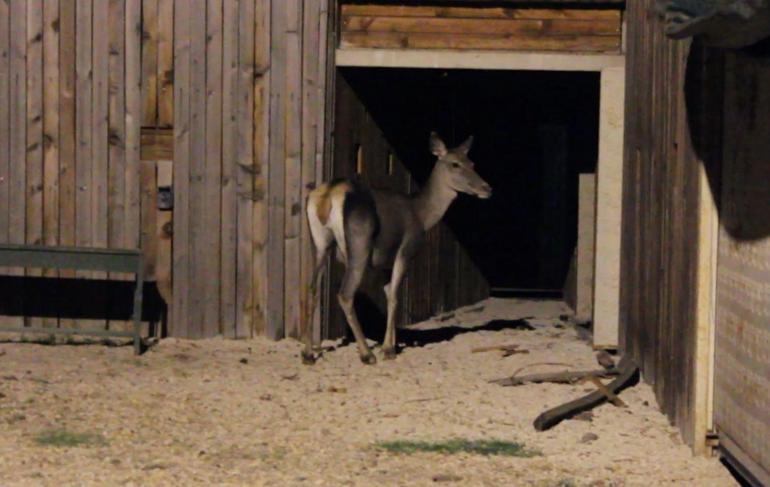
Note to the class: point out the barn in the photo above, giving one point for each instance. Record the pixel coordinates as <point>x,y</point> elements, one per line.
<point>630,169</point>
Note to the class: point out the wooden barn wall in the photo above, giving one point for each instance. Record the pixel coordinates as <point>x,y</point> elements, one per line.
<point>102,102</point>
<point>69,145</point>
<point>742,362</point>
<point>660,212</point>
<point>249,113</point>
<point>442,276</point>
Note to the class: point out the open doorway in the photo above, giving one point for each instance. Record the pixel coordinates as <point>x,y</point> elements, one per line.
<point>535,133</point>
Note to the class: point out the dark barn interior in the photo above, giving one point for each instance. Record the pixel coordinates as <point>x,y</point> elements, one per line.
<point>535,132</point>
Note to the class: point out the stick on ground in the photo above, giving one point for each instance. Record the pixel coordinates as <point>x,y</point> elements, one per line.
<point>564,377</point>
<point>629,376</point>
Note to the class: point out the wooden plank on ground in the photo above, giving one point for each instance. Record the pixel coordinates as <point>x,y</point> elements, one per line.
<point>262,103</point>
<point>246,169</point>
<point>197,167</point>
<point>293,166</point>
<point>149,63</point>
<point>165,63</point>
<point>212,172</point>
<point>180,312</point>
<point>230,107</point>
<point>481,13</point>
<point>528,28</point>
<point>502,42</point>
<point>274,328</point>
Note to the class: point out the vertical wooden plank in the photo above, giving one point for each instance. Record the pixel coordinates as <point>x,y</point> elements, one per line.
<point>230,106</point>
<point>276,189</point>
<point>165,74</point>
<point>18,132</point>
<point>67,132</point>
<point>293,166</point>
<point>149,62</point>
<point>117,124</point>
<point>100,141</point>
<point>50,130</point>
<point>179,326</point>
<point>197,166</point>
<point>133,107</point>
<point>212,171</point>
<point>83,124</point>
<point>262,104</point>
<point>246,168</point>
<point>5,121</point>
<point>310,114</point>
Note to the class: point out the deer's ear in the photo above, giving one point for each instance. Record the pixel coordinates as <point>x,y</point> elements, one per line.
<point>465,147</point>
<point>437,146</point>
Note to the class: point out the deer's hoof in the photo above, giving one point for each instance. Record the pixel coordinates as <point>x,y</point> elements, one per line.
<point>388,353</point>
<point>369,359</point>
<point>308,358</point>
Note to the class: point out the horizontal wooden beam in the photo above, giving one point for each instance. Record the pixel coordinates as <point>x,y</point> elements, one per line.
<point>451,59</point>
<point>479,12</point>
<point>157,144</point>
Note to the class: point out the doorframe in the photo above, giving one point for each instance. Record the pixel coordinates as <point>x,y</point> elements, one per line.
<point>609,170</point>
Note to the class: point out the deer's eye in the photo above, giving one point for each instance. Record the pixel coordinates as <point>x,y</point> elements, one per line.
<point>455,165</point>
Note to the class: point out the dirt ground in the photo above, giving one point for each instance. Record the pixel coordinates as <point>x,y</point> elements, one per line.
<point>220,412</point>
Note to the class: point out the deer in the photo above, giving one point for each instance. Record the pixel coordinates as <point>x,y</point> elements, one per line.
<point>379,229</point>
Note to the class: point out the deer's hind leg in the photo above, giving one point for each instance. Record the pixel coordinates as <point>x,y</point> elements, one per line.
<point>359,237</point>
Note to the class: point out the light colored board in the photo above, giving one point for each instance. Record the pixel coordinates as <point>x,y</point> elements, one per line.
<point>67,132</point>
<point>149,62</point>
<point>50,132</point>
<point>197,167</point>
<point>230,104</point>
<point>609,189</point>
<point>246,167</point>
<point>585,247</point>
<point>311,109</point>
<point>180,310</point>
<point>262,103</point>
<point>133,100</point>
<point>293,167</point>
<point>274,327</point>
<point>5,121</point>
<point>449,59</point>
<point>397,40</point>
<point>165,63</point>
<point>211,195</point>
<point>475,12</point>
<point>538,28</point>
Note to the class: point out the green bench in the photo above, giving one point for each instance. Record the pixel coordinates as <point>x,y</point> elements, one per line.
<point>80,258</point>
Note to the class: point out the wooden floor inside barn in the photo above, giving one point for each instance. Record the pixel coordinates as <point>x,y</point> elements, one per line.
<point>248,413</point>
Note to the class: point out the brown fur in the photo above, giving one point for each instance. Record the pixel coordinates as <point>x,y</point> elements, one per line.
<point>324,195</point>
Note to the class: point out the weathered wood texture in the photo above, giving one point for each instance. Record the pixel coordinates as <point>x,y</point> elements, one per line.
<point>442,276</point>
<point>69,138</point>
<point>426,27</point>
<point>660,218</point>
<point>742,362</point>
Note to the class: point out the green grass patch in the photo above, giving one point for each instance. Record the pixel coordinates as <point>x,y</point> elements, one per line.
<point>64,438</point>
<point>477,447</point>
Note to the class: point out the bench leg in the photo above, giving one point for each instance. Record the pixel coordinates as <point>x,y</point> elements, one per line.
<point>138,312</point>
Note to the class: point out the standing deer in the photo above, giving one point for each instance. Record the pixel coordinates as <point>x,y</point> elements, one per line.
<point>381,229</point>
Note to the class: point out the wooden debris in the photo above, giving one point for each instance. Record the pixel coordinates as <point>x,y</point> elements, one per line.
<point>563,377</point>
<point>629,376</point>
<point>608,393</point>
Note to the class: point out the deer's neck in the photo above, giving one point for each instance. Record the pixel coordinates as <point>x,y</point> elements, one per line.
<point>433,201</point>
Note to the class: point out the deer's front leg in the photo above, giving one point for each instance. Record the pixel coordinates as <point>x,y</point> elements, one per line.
<point>391,293</point>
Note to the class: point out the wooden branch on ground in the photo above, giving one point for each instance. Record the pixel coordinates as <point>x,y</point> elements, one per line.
<point>629,376</point>
<point>564,377</point>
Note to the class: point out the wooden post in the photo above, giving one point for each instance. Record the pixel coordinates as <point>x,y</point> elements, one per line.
<point>609,186</point>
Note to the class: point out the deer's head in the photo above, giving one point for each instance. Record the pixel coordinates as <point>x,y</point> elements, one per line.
<point>456,169</point>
